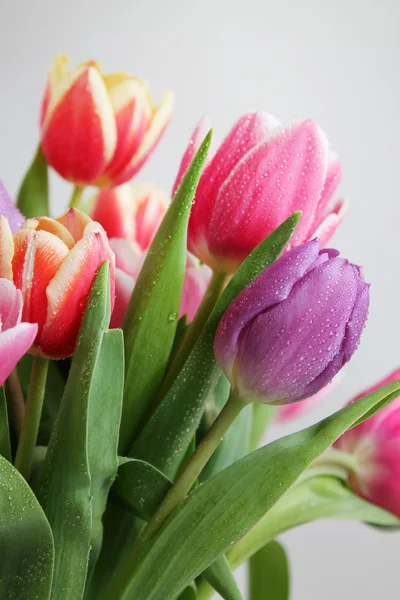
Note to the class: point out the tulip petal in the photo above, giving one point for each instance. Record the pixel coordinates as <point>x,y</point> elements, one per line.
<point>128,256</point>
<point>133,113</point>
<point>6,249</point>
<point>10,305</point>
<point>271,287</point>
<point>81,106</point>
<point>9,210</point>
<point>331,222</point>
<point>38,255</point>
<point>197,278</point>
<point>282,174</point>
<point>124,285</point>
<point>68,292</point>
<point>114,209</point>
<point>305,345</point>
<point>247,133</point>
<point>52,226</point>
<point>75,221</point>
<point>151,204</point>
<point>198,135</point>
<point>14,343</point>
<point>160,119</point>
<point>333,177</point>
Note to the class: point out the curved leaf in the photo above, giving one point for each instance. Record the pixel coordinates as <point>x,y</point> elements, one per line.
<point>152,315</point>
<point>33,195</point>
<point>219,512</point>
<point>5,448</point>
<point>26,541</point>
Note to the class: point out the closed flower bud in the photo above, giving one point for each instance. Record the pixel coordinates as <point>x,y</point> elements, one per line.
<point>15,337</point>
<point>99,129</point>
<point>261,174</point>
<point>54,262</point>
<point>133,212</point>
<point>294,327</point>
<point>375,448</point>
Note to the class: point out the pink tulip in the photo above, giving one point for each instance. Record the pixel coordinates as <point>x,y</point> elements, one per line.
<point>54,263</point>
<point>129,259</point>
<point>375,445</point>
<point>99,129</point>
<point>133,212</point>
<point>260,174</point>
<point>15,337</point>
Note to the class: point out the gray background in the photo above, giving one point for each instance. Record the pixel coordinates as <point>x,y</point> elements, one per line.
<point>337,62</point>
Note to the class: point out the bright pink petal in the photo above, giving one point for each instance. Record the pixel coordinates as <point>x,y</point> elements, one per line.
<point>333,177</point>
<point>200,132</point>
<point>10,305</point>
<point>282,174</point>
<point>246,134</point>
<point>331,222</point>
<point>68,292</point>
<point>124,285</point>
<point>9,210</point>
<point>14,343</point>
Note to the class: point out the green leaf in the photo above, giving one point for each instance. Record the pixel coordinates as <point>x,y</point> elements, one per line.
<point>33,195</point>
<point>323,497</point>
<point>72,474</point>
<point>5,448</point>
<point>269,573</point>
<point>180,411</point>
<point>223,509</point>
<point>219,575</point>
<point>140,487</point>
<point>262,417</point>
<point>26,542</point>
<point>103,424</point>
<point>189,593</point>
<point>151,319</point>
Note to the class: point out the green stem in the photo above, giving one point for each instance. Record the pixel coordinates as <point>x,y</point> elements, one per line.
<point>210,298</point>
<point>15,401</point>
<point>76,197</point>
<point>178,491</point>
<point>33,411</point>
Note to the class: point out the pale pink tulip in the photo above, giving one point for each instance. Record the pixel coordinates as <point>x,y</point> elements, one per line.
<point>99,129</point>
<point>54,263</point>
<point>129,259</point>
<point>133,212</point>
<point>375,445</point>
<point>260,174</point>
<point>15,337</point>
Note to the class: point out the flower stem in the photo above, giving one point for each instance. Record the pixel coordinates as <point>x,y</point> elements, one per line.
<point>15,401</point>
<point>76,197</point>
<point>178,491</point>
<point>33,411</point>
<point>210,298</point>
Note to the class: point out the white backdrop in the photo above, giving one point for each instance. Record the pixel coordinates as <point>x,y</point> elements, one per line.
<point>337,62</point>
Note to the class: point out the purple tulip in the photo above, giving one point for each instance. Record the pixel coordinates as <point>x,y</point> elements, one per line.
<point>294,327</point>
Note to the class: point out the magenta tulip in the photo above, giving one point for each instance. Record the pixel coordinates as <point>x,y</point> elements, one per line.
<point>375,446</point>
<point>293,328</point>
<point>260,174</point>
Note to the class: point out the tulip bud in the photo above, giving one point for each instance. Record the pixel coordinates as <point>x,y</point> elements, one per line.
<point>129,260</point>
<point>294,327</point>
<point>54,263</point>
<point>258,177</point>
<point>375,448</point>
<point>99,129</point>
<point>133,212</point>
<point>15,337</point>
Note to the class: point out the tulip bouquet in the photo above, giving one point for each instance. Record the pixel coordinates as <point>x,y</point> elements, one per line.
<point>146,344</point>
